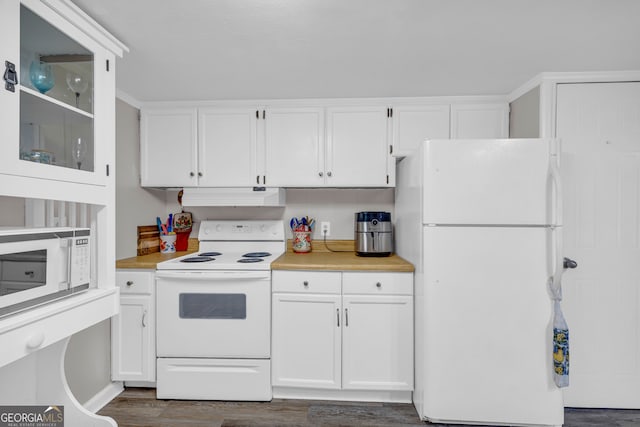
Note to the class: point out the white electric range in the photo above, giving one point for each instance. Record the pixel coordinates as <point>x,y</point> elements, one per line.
<point>214,314</point>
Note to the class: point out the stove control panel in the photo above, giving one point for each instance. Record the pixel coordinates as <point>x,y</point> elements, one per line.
<point>241,230</point>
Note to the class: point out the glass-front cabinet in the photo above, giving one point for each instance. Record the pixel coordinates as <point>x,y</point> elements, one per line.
<point>52,81</point>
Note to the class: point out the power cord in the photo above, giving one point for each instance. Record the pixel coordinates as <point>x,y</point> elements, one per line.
<point>324,235</point>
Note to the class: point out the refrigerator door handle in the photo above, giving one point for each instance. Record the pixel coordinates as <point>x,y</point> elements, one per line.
<point>556,205</point>
<point>555,280</point>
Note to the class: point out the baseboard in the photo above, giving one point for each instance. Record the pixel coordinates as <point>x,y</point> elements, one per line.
<point>344,395</point>
<point>104,396</point>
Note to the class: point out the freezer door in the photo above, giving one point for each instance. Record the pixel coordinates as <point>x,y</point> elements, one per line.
<point>505,181</point>
<point>487,326</point>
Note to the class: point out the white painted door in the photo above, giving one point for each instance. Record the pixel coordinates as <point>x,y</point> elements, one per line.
<point>132,340</point>
<point>377,342</point>
<point>357,147</point>
<point>227,151</point>
<point>412,124</point>
<point>294,147</point>
<point>479,121</point>
<point>599,125</point>
<point>168,147</point>
<point>306,341</point>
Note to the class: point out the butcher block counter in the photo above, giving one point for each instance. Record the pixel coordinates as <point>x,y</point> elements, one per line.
<point>344,259</point>
<point>149,262</point>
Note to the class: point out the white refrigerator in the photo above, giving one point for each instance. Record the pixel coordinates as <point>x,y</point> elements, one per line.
<point>481,221</point>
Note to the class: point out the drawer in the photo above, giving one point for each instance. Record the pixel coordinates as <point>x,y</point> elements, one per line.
<point>24,271</point>
<point>313,282</point>
<point>377,283</point>
<point>135,282</point>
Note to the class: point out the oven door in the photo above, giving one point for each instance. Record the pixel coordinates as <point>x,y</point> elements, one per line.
<point>224,314</point>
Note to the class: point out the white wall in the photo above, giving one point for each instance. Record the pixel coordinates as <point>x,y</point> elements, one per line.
<point>11,211</point>
<point>334,205</point>
<point>134,205</point>
<point>524,116</point>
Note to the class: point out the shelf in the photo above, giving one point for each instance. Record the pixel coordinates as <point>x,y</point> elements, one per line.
<point>40,106</point>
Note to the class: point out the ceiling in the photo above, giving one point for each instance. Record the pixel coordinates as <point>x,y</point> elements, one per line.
<point>264,49</point>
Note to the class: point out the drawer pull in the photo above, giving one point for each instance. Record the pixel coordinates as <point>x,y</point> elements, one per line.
<point>29,273</point>
<point>129,282</point>
<point>144,319</point>
<point>346,317</point>
<point>338,316</point>
<point>378,285</point>
<point>306,284</point>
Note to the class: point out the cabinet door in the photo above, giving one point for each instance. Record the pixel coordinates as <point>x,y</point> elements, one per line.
<point>57,124</point>
<point>305,350</point>
<point>294,147</point>
<point>357,147</point>
<point>227,147</point>
<point>413,124</point>
<point>133,340</point>
<point>168,149</point>
<point>377,343</point>
<point>479,121</point>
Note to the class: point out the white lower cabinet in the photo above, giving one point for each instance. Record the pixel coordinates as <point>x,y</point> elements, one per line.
<point>349,331</point>
<point>133,337</point>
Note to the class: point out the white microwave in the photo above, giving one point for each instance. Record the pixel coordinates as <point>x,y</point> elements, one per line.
<point>39,265</point>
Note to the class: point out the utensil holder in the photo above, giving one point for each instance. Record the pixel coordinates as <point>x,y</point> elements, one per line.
<point>301,241</point>
<point>168,243</point>
<point>182,240</point>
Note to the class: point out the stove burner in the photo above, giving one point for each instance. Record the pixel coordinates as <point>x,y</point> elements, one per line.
<point>210,254</point>
<point>256,254</point>
<point>249,260</point>
<point>198,259</point>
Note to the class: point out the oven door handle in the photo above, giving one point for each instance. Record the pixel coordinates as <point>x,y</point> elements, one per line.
<point>214,275</point>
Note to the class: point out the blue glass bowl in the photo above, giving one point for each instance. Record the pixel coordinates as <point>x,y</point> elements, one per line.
<point>41,76</point>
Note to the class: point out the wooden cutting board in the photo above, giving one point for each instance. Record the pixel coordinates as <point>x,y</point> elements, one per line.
<point>148,239</point>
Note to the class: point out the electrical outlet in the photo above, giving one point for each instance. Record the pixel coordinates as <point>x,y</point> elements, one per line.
<point>325,228</point>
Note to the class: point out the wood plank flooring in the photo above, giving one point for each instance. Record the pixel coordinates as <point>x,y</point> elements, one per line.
<point>138,407</point>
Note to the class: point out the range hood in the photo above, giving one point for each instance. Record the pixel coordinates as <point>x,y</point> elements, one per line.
<point>256,196</point>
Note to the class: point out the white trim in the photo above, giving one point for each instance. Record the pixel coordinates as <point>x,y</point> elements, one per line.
<point>574,77</point>
<point>87,24</point>
<point>103,397</point>
<point>125,97</point>
<point>521,90</point>
<point>330,102</point>
<point>342,395</point>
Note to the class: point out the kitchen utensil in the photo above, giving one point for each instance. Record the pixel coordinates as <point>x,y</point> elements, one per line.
<point>373,233</point>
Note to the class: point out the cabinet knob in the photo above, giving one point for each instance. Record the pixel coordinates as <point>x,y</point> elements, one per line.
<point>192,174</point>
<point>306,284</point>
<point>199,173</point>
<point>329,174</point>
<point>378,285</point>
<point>129,282</point>
<point>320,174</point>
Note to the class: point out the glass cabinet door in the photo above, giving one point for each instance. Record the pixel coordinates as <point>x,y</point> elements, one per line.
<point>56,79</point>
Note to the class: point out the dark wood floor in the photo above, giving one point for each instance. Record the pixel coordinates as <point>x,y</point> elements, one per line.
<point>138,407</point>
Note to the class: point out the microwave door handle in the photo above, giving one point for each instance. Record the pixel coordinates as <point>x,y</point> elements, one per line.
<point>69,262</point>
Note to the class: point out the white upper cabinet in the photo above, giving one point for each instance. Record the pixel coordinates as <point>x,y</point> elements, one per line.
<point>168,148</point>
<point>227,147</point>
<point>413,124</point>
<point>294,147</point>
<point>57,97</point>
<point>479,121</point>
<point>297,145</point>
<point>358,147</point>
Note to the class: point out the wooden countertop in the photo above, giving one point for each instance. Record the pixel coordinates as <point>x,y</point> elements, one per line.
<point>149,262</point>
<point>320,258</point>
